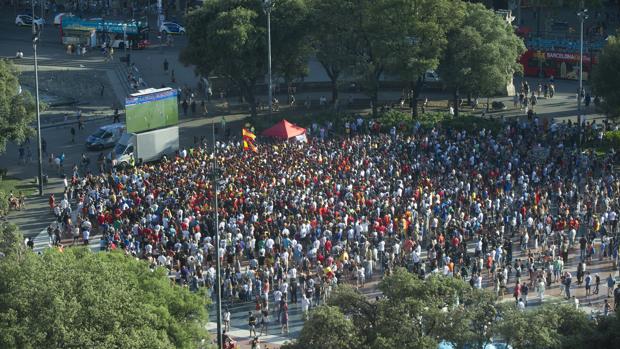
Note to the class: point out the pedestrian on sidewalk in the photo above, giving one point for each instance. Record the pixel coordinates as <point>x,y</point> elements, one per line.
<point>284,318</point>
<point>567,281</point>
<point>28,155</point>
<point>185,106</point>
<point>264,322</point>
<point>305,306</point>
<point>606,308</point>
<point>588,284</point>
<point>252,324</point>
<point>21,156</point>
<point>227,320</point>
<point>541,289</point>
<point>611,282</point>
<point>52,203</point>
<point>117,117</point>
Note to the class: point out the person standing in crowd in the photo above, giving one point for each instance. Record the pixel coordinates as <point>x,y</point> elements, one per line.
<point>252,324</point>
<point>447,201</point>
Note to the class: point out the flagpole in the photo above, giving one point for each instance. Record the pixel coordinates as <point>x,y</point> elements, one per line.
<point>218,284</point>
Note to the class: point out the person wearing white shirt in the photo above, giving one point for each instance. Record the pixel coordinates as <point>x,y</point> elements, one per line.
<point>85,236</point>
<point>226,320</point>
<point>305,305</point>
<point>277,297</point>
<point>292,273</point>
<point>284,289</point>
<point>521,305</point>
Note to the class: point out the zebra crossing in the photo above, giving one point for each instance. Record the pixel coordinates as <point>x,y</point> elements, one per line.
<point>84,63</point>
<point>42,242</point>
<point>239,329</point>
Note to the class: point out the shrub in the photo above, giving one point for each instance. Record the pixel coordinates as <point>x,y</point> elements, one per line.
<point>429,120</point>
<point>394,118</point>
<point>612,139</point>
<point>4,203</point>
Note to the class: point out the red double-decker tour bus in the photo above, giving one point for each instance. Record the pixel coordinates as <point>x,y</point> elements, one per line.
<point>561,65</point>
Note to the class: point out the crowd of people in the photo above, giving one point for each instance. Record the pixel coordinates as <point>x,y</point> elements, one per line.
<point>501,210</point>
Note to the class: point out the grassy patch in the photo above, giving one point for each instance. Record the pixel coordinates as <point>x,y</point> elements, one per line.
<point>26,186</point>
<point>8,185</point>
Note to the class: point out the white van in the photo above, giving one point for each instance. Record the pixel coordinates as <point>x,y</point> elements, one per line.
<point>105,136</point>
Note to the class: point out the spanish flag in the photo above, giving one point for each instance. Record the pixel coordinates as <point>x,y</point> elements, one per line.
<point>247,145</point>
<point>247,135</point>
<point>248,140</point>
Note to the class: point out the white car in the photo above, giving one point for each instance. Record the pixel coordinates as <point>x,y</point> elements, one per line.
<point>171,28</point>
<point>26,20</point>
<point>431,76</point>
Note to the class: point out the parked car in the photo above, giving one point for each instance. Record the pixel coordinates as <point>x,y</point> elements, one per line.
<point>171,28</point>
<point>431,76</point>
<point>26,20</point>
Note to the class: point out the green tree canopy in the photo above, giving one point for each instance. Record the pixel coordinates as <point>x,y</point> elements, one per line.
<point>412,313</point>
<point>377,25</point>
<point>482,52</point>
<point>228,38</point>
<point>80,299</point>
<point>336,331</point>
<point>332,38</point>
<point>556,326</point>
<point>17,110</point>
<point>415,313</point>
<point>606,77</point>
<point>424,24</point>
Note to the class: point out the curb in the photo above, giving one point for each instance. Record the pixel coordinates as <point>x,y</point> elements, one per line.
<point>66,123</point>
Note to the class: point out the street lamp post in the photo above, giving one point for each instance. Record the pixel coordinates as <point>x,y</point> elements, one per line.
<point>125,40</point>
<point>267,7</point>
<point>35,38</point>
<point>583,15</point>
<point>218,285</point>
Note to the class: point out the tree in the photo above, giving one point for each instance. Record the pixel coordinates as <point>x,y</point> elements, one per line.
<point>606,78</point>
<point>10,240</point>
<point>377,25</point>
<point>482,52</point>
<point>557,326</point>
<point>361,37</point>
<point>607,332</point>
<point>290,39</point>
<point>81,299</point>
<point>229,39</point>
<point>416,313</point>
<point>424,23</point>
<point>336,331</point>
<point>332,37</point>
<point>413,313</point>
<point>17,108</point>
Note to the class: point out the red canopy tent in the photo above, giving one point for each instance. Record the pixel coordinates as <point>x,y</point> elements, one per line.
<point>284,130</point>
